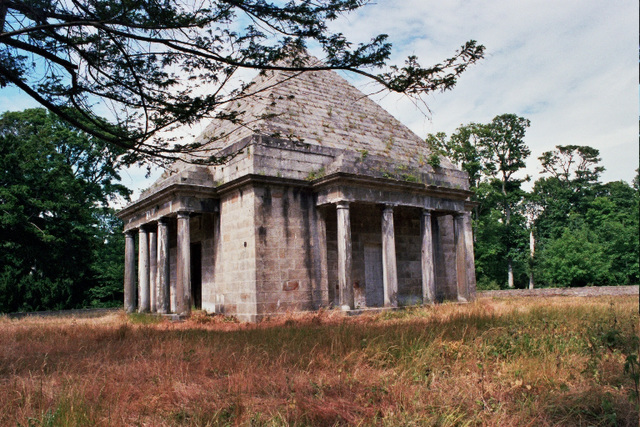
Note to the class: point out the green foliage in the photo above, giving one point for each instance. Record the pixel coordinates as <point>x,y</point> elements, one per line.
<point>316,174</point>
<point>434,160</point>
<point>107,262</point>
<point>462,148</point>
<point>587,231</point>
<point>55,183</point>
<point>503,149</point>
<point>576,258</point>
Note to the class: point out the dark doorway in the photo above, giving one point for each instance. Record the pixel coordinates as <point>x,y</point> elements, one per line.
<point>196,275</point>
<point>374,291</point>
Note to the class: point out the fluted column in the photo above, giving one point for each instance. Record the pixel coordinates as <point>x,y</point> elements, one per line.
<point>153,269</point>
<point>130,300</point>
<point>183,266</point>
<point>163,267</point>
<point>344,256</point>
<point>389,269</point>
<point>428,270</point>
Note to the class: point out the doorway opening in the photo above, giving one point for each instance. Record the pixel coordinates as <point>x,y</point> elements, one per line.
<point>374,292</point>
<point>196,275</point>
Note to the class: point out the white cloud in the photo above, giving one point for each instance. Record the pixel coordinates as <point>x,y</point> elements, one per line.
<point>570,67</point>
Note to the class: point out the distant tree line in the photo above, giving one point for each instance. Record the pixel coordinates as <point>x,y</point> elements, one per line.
<point>569,230</point>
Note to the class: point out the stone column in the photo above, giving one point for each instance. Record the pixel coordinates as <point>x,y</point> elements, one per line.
<point>163,267</point>
<point>344,256</point>
<point>428,270</point>
<point>153,269</point>
<point>389,269</point>
<point>217,295</point>
<point>130,300</point>
<point>470,265</point>
<point>183,266</point>
<point>143,270</point>
<point>321,267</point>
<point>461,273</point>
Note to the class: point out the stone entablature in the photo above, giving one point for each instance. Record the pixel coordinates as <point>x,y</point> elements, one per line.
<point>167,202</point>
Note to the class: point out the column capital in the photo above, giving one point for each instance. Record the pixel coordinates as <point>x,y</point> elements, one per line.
<point>143,229</point>
<point>388,207</point>
<point>184,214</point>
<point>130,232</point>
<point>427,211</point>
<point>342,204</point>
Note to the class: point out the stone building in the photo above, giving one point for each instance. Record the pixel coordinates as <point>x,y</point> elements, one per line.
<point>325,200</point>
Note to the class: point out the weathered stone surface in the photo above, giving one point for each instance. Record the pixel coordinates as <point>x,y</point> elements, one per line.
<point>345,285</point>
<point>143,271</point>
<point>153,268</point>
<point>163,266</point>
<point>130,295</point>
<point>427,259</point>
<point>183,268</point>
<point>333,112</point>
<point>389,269</point>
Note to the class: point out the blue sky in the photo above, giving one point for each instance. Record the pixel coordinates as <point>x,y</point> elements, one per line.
<point>570,67</point>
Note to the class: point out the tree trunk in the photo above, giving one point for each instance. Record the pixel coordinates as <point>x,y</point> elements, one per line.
<point>507,222</point>
<point>532,250</point>
<point>510,274</point>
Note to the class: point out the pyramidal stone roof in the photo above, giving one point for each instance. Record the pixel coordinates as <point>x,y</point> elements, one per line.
<point>319,108</point>
<point>305,126</point>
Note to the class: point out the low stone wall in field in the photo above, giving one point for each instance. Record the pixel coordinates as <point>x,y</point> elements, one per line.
<point>590,291</point>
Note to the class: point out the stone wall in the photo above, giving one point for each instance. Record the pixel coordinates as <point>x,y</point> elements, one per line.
<point>408,254</point>
<point>366,226</point>
<point>445,253</point>
<point>289,250</point>
<point>234,269</point>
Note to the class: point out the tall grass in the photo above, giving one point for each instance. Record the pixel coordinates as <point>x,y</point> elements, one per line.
<point>557,361</point>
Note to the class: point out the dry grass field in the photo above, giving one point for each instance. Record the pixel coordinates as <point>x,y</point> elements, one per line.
<point>504,362</point>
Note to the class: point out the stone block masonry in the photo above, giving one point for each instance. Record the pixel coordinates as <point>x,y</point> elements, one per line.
<point>289,264</point>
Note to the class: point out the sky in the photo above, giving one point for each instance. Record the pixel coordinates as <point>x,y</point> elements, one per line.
<point>568,66</point>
